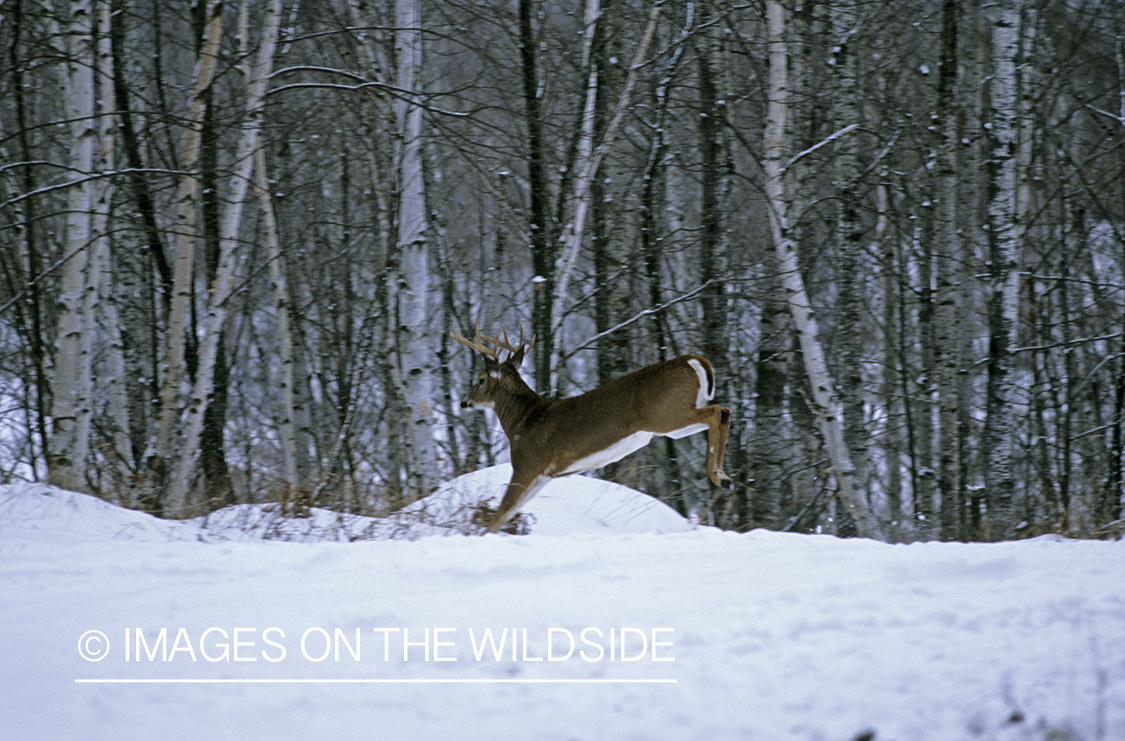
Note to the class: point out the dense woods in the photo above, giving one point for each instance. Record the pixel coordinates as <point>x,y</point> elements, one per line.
<point>235,237</point>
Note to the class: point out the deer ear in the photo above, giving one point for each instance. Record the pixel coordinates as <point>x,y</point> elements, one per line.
<point>517,357</point>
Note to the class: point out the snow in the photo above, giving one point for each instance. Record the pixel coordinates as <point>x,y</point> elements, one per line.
<point>757,636</point>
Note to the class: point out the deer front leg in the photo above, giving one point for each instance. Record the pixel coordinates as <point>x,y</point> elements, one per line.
<point>520,490</point>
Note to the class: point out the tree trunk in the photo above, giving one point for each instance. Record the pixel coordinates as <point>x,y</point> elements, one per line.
<point>769,450</point>
<point>824,398</point>
<point>183,271</point>
<point>23,268</point>
<point>543,245</point>
<point>1003,238</point>
<point>849,234</point>
<point>119,466</point>
<point>287,425</point>
<point>415,340</point>
<point>612,264</point>
<point>72,408</point>
<point>898,530</point>
<point>947,256</point>
<point>653,230</point>
<point>218,303</point>
<point>715,167</point>
<point>587,167</point>
<point>584,171</point>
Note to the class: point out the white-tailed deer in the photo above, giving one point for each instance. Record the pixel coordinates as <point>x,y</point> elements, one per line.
<point>555,438</point>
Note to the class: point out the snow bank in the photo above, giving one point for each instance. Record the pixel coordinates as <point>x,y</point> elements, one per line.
<point>566,506</point>
<point>626,625</point>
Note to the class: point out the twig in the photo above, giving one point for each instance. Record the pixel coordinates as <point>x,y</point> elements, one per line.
<point>636,318</point>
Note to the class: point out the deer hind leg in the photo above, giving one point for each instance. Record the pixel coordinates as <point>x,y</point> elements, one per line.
<point>718,426</point>
<point>519,492</point>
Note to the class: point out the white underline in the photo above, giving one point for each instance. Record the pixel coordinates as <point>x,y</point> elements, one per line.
<point>375,681</point>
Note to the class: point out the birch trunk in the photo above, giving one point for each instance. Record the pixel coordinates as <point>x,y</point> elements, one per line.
<point>1003,237</point>
<point>228,262</point>
<point>117,398</point>
<point>824,398</point>
<point>72,409</point>
<point>280,288</point>
<point>587,168</point>
<point>415,340</point>
<point>185,230</point>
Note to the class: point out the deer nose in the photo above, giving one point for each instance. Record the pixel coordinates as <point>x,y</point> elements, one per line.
<point>465,404</point>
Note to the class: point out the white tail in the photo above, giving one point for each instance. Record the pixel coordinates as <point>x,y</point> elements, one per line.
<point>555,438</point>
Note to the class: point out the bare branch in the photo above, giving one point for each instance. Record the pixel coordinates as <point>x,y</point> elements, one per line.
<point>636,318</point>
<point>78,181</point>
<point>831,138</point>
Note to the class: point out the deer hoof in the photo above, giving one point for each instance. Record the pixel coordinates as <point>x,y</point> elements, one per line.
<point>720,479</point>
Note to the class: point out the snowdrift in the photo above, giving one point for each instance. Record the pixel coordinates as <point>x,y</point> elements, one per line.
<point>565,506</point>
<point>612,619</point>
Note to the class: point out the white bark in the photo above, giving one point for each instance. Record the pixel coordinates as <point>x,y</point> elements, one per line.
<point>416,340</point>
<point>183,271</point>
<point>117,399</point>
<point>284,335</point>
<point>229,259</point>
<point>825,401</point>
<point>72,409</point>
<point>584,162</point>
<point>1004,236</point>
<point>588,165</point>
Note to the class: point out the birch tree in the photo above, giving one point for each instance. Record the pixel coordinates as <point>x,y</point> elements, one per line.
<point>280,286</point>
<point>101,293</point>
<point>587,167</point>
<point>72,407</point>
<point>217,309</point>
<point>824,398</point>
<point>185,230</point>
<point>415,340</point>
<point>1003,238</point>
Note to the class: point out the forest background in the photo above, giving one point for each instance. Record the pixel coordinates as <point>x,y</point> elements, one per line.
<point>235,236</point>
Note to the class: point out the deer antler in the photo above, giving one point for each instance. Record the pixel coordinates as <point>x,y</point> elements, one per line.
<point>488,352</point>
<point>498,344</point>
<point>506,345</point>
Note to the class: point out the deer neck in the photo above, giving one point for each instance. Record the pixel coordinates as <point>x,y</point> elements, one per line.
<point>514,409</point>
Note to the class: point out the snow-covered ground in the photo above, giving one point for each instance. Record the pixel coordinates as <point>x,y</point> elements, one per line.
<point>628,624</point>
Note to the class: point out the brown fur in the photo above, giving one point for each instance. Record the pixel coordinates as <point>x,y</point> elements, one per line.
<point>548,437</point>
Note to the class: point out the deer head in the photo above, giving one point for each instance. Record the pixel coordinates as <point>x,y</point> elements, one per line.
<point>500,378</point>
